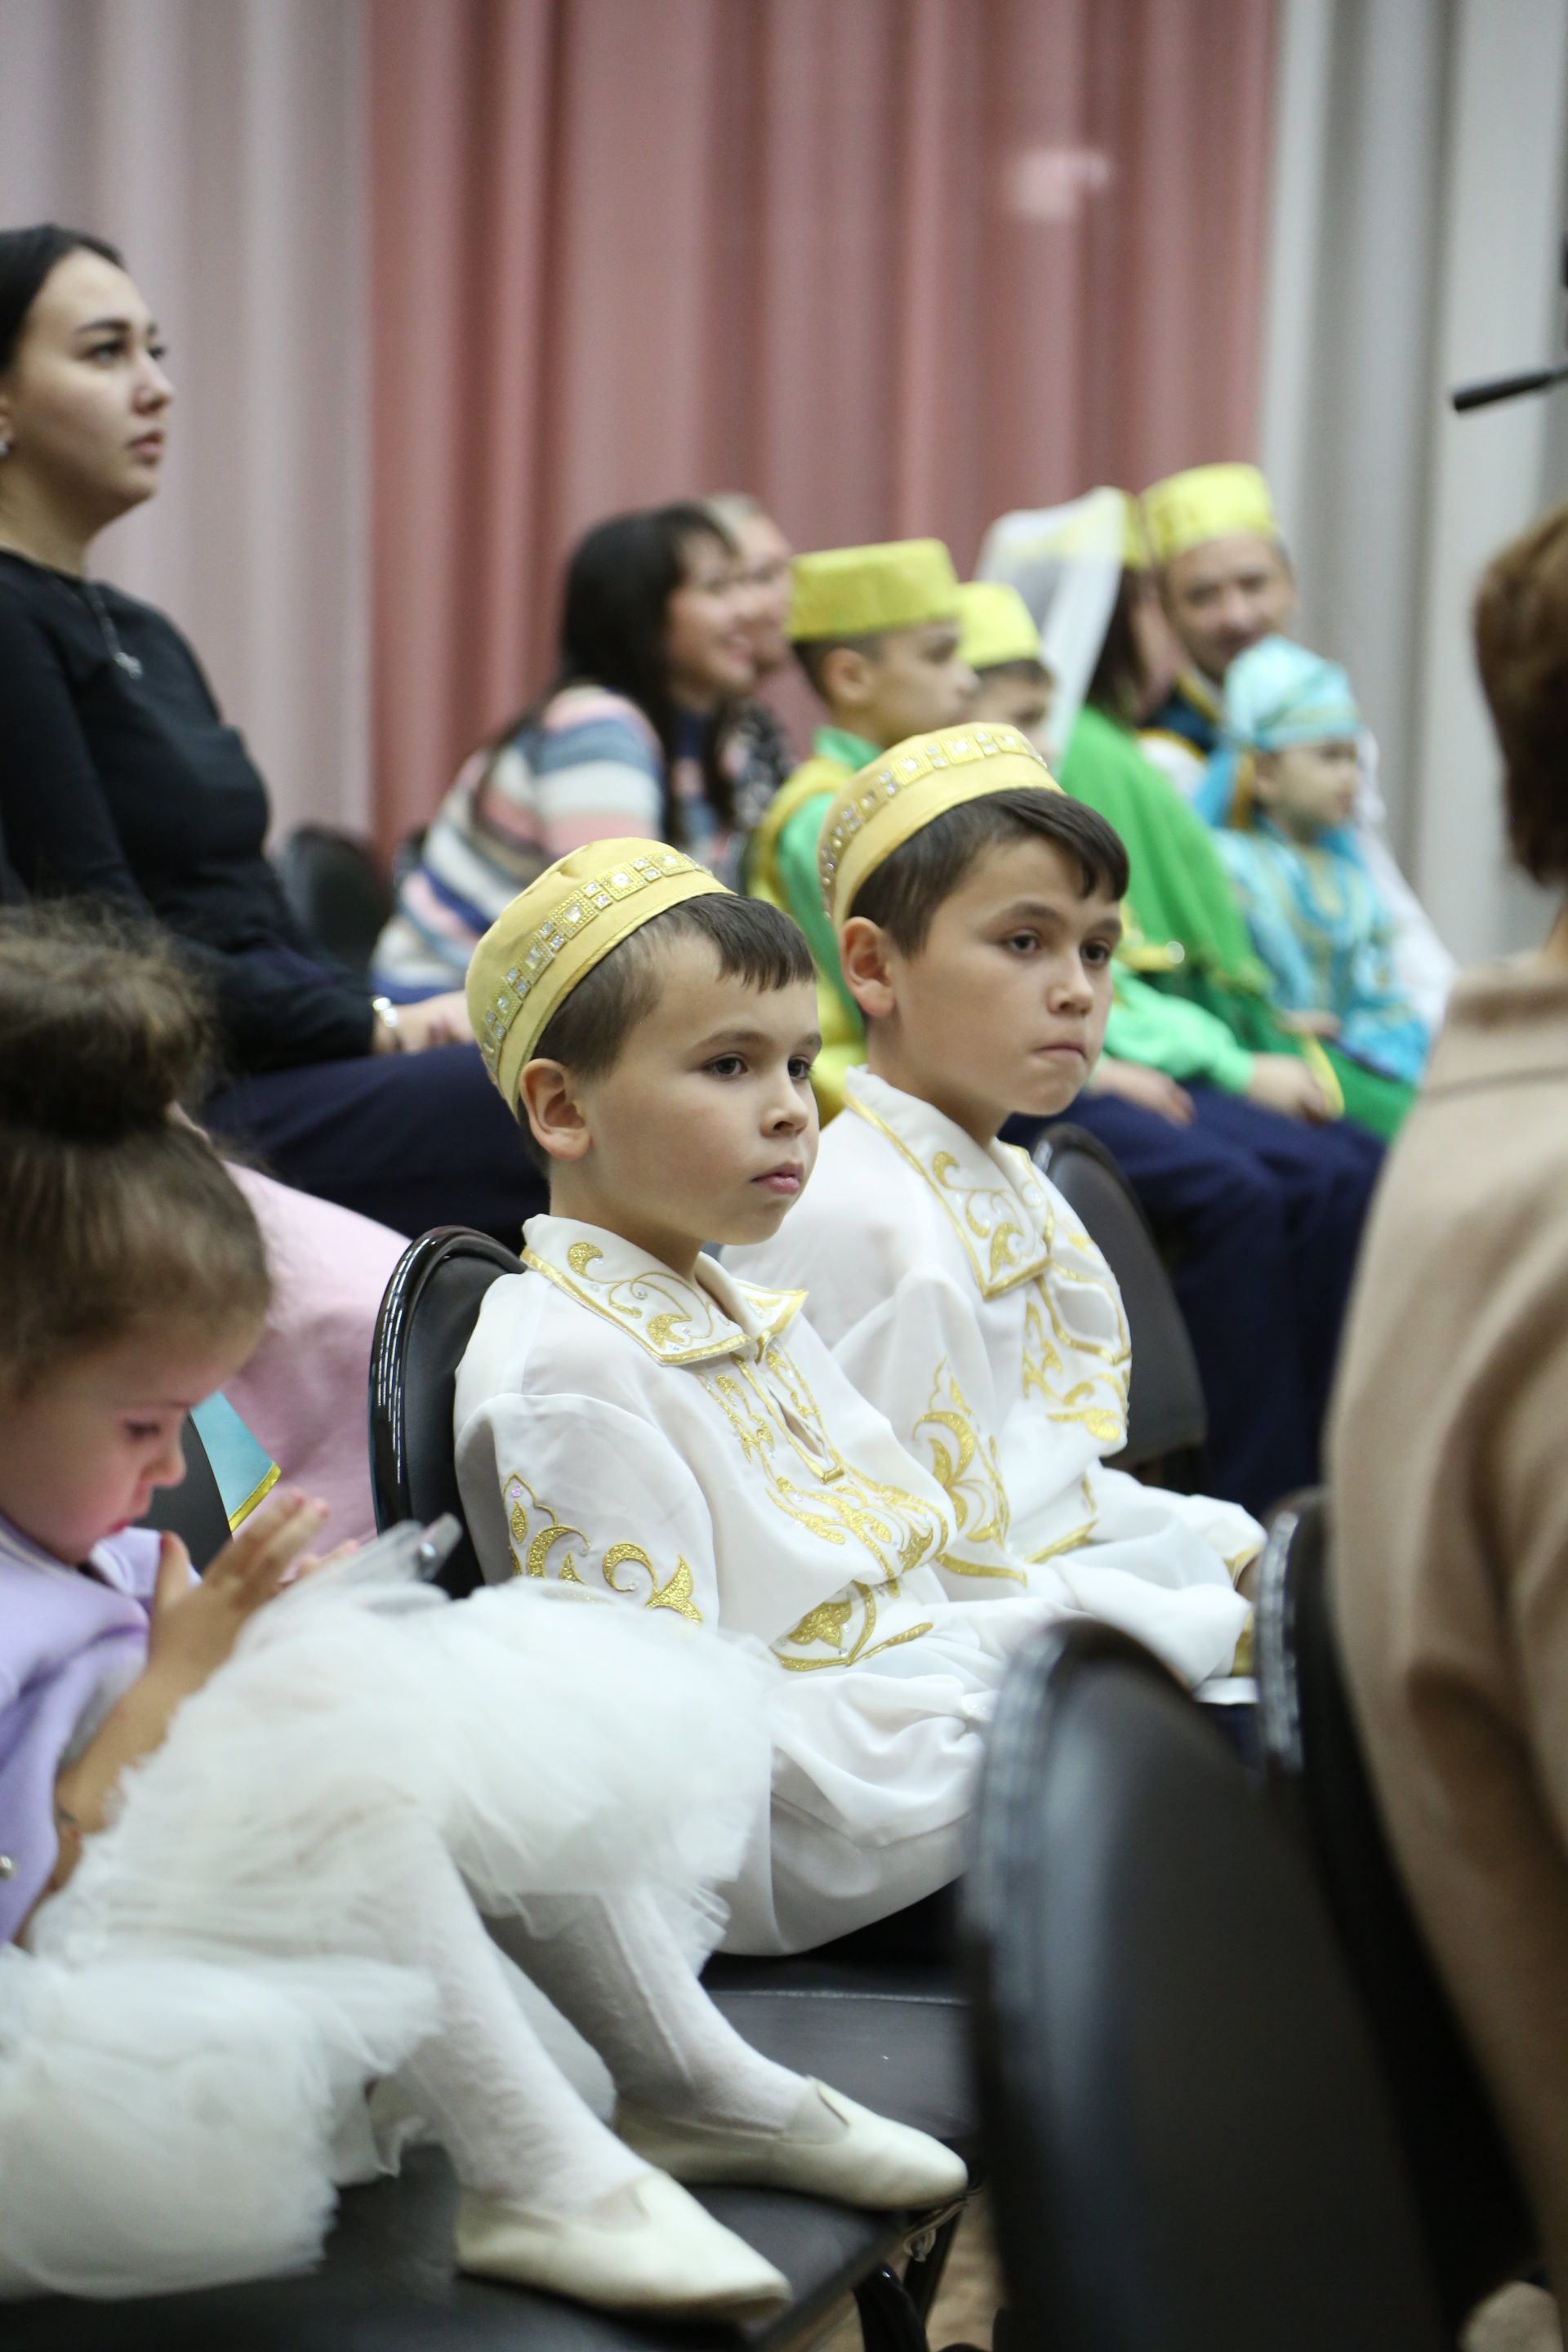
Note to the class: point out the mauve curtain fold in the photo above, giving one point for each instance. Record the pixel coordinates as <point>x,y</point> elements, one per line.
<point>894,265</point>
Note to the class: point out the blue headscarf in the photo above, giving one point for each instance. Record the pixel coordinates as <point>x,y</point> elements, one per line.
<point>1276,694</point>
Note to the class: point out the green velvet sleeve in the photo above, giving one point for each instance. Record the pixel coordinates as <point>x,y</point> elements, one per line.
<point>1171,1034</point>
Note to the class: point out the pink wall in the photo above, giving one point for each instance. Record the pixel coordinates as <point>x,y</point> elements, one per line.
<point>894,265</point>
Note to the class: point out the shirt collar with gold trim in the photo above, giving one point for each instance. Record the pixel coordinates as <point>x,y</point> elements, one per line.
<point>990,1194</point>
<point>677,1321</point>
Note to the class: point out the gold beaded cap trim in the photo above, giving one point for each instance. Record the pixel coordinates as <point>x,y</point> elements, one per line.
<point>919,781</point>
<point>523,970</point>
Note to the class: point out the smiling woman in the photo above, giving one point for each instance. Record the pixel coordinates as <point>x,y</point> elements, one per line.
<point>120,782</point>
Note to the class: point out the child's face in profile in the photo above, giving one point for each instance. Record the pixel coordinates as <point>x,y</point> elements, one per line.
<point>704,1129</point>
<point>1003,1008</point>
<point>1017,694</point>
<point>915,682</point>
<point>1309,787</point>
<point>84,1448</point>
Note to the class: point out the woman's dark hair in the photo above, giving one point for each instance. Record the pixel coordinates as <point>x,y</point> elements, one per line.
<point>1521,649</point>
<point>1120,686</point>
<point>620,578</point>
<point>27,258</point>
<point>112,1213</point>
<point>902,895</point>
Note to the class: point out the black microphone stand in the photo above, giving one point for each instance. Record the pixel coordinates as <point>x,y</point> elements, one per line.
<point>1512,387</point>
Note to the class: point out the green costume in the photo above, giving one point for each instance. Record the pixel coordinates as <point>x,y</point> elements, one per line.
<point>1187,934</point>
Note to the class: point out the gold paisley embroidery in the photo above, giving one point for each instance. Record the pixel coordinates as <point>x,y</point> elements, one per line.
<point>1099,1402</point>
<point>986,1216</point>
<point>779,1428</point>
<point>969,1474</point>
<point>673,1594</point>
<point>676,1321</point>
<point>531,1562</point>
<point>827,1624</point>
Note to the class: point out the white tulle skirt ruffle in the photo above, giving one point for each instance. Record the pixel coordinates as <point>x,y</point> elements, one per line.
<point>187,2035</point>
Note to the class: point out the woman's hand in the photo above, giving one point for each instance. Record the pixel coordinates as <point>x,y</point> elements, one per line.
<point>436,1020</point>
<point>1150,1089</point>
<point>1309,1024</point>
<point>195,1627</point>
<point>1279,1082</point>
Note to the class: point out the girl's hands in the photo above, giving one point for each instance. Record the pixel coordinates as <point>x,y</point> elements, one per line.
<point>195,1625</point>
<point>432,1020</point>
<point>194,1629</point>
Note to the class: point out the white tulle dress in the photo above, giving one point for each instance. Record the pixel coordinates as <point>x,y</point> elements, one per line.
<point>189,2027</point>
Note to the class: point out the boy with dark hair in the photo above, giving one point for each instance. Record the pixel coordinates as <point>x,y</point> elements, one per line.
<point>977,917</point>
<point>633,1419</point>
<point>876,630</point>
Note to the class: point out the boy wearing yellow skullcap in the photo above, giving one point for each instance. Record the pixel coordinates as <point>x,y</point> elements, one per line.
<point>999,641</point>
<point>633,1420</point>
<point>876,630</point>
<point>1225,582</point>
<point>976,911</point>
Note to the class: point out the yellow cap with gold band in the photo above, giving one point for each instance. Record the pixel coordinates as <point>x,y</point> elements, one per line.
<point>1207,502</point>
<point>908,788</point>
<point>554,932</point>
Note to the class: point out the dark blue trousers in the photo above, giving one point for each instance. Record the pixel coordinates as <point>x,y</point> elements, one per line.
<point>1261,1217</point>
<point>413,1139</point>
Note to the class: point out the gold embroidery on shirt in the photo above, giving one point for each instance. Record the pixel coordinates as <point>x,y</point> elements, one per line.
<point>674,1593</point>
<point>530,1555</point>
<point>827,1623</point>
<point>676,1321</point>
<point>842,1504</point>
<point>985,1217</point>
<point>531,1562</point>
<point>969,1474</point>
<point>1098,1403</point>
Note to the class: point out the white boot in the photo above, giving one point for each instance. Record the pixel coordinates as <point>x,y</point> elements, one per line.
<point>646,2247</point>
<point>830,2147</point>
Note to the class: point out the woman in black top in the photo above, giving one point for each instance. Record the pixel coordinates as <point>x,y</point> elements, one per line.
<point>120,781</point>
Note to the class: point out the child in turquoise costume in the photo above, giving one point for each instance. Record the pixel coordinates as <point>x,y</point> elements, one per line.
<point>1282,788</point>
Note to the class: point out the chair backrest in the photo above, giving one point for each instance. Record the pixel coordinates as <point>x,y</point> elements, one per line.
<point>1477,2220</point>
<point>426,1317</point>
<point>1190,2146</point>
<point>1167,1418</point>
<point>194,1510</point>
<point>337,892</point>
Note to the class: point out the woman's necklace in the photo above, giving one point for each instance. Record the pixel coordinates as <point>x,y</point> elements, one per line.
<point>101,613</point>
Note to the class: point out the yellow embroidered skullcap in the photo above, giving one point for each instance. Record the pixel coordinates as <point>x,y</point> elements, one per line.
<point>994,625</point>
<point>854,592</point>
<point>555,931</point>
<point>1186,511</point>
<point>908,789</point>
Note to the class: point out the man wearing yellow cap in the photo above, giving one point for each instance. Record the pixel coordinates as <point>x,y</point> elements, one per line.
<point>633,1420</point>
<point>876,630</point>
<point>977,909</point>
<point>1226,584</point>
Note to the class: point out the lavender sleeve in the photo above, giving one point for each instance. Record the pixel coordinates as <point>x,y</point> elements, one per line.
<point>66,1640</point>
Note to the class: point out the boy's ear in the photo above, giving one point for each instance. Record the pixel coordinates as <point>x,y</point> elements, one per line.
<point>547,1097</point>
<point>846,677</point>
<point>865,957</point>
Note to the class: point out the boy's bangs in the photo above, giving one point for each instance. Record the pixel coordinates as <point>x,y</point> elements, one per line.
<point>903,895</point>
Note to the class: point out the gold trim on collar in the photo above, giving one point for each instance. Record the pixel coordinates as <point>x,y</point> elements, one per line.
<point>1001,1252</point>
<point>678,1322</point>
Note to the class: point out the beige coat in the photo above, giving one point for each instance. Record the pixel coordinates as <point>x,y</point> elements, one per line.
<point>1450,1472</point>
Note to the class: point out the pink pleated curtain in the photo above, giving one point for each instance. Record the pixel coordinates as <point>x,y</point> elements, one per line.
<point>892,265</point>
